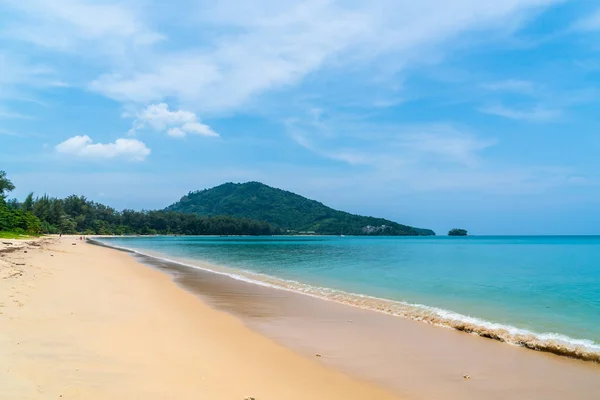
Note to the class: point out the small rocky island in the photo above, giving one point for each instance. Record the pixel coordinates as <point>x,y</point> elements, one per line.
<point>457,232</point>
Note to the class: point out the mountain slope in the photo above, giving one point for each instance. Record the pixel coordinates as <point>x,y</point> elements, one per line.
<point>286,210</point>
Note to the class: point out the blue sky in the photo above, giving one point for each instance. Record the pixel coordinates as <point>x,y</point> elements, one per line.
<point>438,114</point>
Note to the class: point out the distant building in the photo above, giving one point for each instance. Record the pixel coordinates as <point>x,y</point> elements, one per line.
<point>370,229</point>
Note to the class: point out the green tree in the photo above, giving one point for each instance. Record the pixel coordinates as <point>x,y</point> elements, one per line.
<point>6,186</point>
<point>6,217</point>
<point>457,232</point>
<point>68,225</point>
<point>28,203</point>
<point>12,217</point>
<point>13,204</point>
<point>42,208</point>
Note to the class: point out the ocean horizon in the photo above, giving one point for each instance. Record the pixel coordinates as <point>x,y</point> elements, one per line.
<point>536,291</point>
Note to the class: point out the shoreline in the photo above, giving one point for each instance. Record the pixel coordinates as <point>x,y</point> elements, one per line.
<point>428,361</point>
<point>83,321</point>
<point>549,342</point>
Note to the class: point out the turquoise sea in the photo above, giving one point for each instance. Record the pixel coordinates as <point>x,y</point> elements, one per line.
<point>540,292</point>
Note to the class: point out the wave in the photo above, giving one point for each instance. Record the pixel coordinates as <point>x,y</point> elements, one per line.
<point>554,343</point>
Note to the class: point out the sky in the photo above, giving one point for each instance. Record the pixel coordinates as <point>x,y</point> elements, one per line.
<point>438,114</point>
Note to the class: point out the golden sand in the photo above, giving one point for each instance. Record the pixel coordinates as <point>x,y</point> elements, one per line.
<point>86,322</point>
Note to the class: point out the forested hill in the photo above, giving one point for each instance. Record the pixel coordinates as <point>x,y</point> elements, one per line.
<point>286,210</point>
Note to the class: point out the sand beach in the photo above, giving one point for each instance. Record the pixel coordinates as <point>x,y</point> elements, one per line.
<point>78,321</point>
<point>81,321</point>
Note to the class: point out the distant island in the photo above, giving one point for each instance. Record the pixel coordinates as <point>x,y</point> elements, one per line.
<point>230,209</point>
<point>290,212</point>
<point>457,232</point>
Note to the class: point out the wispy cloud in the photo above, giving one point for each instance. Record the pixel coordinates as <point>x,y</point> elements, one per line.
<point>432,157</point>
<point>535,114</point>
<point>16,70</point>
<point>262,47</point>
<point>84,147</point>
<point>234,53</point>
<point>389,147</point>
<point>21,80</point>
<point>7,132</point>
<point>511,85</point>
<point>446,144</point>
<point>438,162</point>
<point>589,23</point>
<point>13,115</point>
<point>72,25</point>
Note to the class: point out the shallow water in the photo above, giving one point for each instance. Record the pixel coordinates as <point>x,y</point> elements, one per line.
<point>541,292</point>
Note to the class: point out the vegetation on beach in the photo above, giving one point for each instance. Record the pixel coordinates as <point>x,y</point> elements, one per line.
<point>288,211</point>
<point>18,221</point>
<point>457,232</point>
<point>14,221</point>
<point>76,214</point>
<point>6,186</point>
<point>15,235</point>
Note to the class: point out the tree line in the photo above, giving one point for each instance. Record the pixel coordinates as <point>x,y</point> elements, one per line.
<point>78,215</point>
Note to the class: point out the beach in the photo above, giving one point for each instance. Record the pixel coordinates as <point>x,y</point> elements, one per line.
<point>84,321</point>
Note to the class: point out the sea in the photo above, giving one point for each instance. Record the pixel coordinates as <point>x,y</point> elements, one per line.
<point>540,292</point>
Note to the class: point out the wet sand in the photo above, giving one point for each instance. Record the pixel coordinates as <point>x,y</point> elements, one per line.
<point>86,322</point>
<point>413,359</point>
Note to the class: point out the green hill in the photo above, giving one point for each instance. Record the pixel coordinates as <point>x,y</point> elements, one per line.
<point>286,210</point>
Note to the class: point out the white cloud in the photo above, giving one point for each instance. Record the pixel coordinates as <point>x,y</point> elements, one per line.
<point>179,123</point>
<point>159,116</point>
<point>176,132</point>
<point>252,48</point>
<point>199,129</point>
<point>511,85</point>
<point>83,146</point>
<point>230,52</point>
<point>109,27</point>
<point>536,114</point>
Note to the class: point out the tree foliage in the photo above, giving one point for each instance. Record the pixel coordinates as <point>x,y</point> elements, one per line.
<point>28,203</point>
<point>78,215</point>
<point>12,217</point>
<point>17,220</point>
<point>457,232</point>
<point>6,186</point>
<point>286,210</point>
